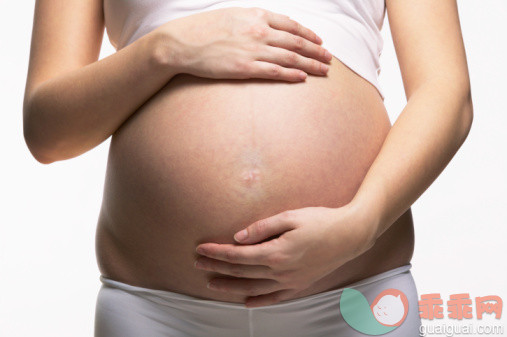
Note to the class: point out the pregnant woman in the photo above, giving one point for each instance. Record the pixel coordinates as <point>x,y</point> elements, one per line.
<point>255,185</point>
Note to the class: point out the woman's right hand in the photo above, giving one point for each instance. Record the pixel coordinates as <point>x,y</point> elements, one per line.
<point>243,43</point>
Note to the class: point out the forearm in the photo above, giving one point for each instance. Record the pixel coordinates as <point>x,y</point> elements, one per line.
<point>427,134</point>
<point>70,114</point>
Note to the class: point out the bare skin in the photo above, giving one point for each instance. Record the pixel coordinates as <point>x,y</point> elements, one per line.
<point>73,102</point>
<point>204,157</point>
<point>429,131</point>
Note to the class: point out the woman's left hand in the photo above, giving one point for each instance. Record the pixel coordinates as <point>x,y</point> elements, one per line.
<point>313,242</point>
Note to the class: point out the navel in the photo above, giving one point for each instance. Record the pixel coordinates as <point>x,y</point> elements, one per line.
<point>250,176</point>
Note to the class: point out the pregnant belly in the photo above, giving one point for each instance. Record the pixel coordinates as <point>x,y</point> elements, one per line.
<point>204,158</point>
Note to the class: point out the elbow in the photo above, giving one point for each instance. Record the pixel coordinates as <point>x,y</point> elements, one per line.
<point>467,113</point>
<point>41,157</point>
<point>37,144</point>
<point>457,94</point>
<point>36,147</point>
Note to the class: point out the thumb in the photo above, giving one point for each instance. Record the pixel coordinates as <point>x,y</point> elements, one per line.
<point>265,228</point>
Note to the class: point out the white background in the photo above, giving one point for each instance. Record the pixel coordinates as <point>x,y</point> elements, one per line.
<point>48,273</point>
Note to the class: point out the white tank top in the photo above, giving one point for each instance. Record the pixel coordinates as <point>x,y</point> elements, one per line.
<point>350,29</point>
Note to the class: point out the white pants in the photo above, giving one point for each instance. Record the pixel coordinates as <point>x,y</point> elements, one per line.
<point>124,310</point>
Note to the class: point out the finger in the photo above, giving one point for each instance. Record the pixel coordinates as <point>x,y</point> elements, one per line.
<point>271,71</point>
<point>269,299</point>
<point>283,22</point>
<point>259,254</point>
<point>244,286</point>
<point>278,38</point>
<point>265,228</point>
<point>292,59</point>
<point>237,270</point>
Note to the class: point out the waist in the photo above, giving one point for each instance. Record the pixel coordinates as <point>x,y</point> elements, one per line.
<point>182,299</point>
<point>375,305</point>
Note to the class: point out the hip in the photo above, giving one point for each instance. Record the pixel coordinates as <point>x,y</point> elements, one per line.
<point>353,310</point>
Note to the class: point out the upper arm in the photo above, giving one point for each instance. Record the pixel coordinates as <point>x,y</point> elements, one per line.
<point>66,35</point>
<point>428,42</point>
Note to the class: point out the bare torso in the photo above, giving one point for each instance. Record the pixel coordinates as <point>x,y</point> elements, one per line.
<point>204,158</point>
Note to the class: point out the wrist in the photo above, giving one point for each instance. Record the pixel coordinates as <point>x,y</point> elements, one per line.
<point>163,53</point>
<point>368,219</point>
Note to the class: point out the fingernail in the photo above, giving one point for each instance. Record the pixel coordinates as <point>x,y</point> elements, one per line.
<point>324,67</point>
<point>328,55</point>
<point>211,285</point>
<point>319,39</point>
<point>240,236</point>
<point>200,250</point>
<point>198,264</point>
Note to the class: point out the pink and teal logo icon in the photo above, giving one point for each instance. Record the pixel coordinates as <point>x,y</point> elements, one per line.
<point>386,313</point>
